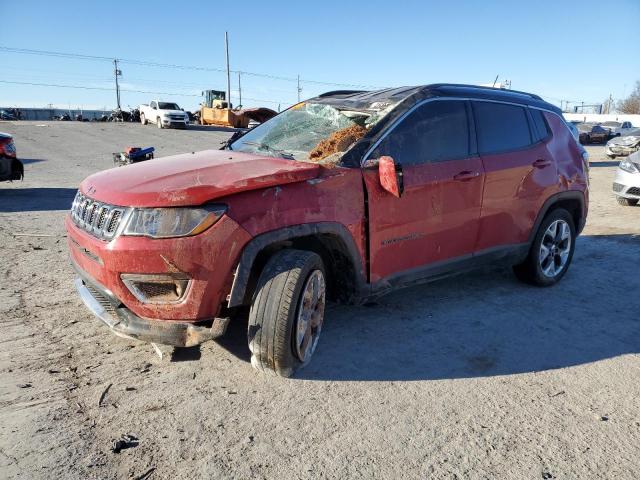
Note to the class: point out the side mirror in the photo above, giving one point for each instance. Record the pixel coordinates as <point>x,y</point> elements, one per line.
<point>390,176</point>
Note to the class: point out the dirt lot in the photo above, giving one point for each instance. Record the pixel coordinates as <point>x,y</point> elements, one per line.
<point>475,377</point>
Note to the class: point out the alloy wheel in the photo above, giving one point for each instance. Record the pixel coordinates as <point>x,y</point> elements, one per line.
<point>310,316</point>
<point>555,248</point>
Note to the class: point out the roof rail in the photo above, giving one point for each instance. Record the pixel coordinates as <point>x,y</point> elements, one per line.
<point>340,92</point>
<point>480,87</point>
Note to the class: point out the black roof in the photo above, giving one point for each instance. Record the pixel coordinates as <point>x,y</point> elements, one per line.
<point>404,98</point>
<point>361,99</point>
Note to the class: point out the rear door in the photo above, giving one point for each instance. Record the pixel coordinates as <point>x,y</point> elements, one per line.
<point>520,172</point>
<point>436,218</point>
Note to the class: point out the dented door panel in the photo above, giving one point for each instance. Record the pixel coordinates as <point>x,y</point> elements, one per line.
<point>435,219</point>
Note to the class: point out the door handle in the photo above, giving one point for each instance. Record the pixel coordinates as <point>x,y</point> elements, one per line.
<point>465,176</point>
<point>541,163</point>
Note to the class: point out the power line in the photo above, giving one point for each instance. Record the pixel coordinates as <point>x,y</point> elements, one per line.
<point>82,87</point>
<point>28,51</point>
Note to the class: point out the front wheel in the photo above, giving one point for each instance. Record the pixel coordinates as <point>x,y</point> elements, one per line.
<point>287,312</point>
<point>551,251</point>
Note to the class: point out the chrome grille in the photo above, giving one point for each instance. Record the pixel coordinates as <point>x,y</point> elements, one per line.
<point>99,219</point>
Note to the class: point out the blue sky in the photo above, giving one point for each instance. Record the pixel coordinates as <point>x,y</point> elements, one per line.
<point>575,50</point>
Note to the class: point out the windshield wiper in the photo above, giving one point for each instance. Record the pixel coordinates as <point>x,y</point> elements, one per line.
<point>264,146</point>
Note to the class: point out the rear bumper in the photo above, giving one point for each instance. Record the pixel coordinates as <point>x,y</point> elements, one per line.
<point>10,168</point>
<point>122,322</point>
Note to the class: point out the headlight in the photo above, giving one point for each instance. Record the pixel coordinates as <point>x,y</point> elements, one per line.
<point>172,222</point>
<point>628,166</point>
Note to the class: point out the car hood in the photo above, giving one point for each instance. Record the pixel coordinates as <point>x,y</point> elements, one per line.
<point>622,140</point>
<point>193,178</point>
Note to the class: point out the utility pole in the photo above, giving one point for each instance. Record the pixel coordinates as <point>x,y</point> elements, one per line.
<point>239,91</point>
<point>299,89</point>
<point>226,46</point>
<point>117,73</point>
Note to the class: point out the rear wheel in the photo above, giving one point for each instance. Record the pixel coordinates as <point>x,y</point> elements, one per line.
<point>627,202</point>
<point>143,120</point>
<point>551,251</point>
<point>287,312</point>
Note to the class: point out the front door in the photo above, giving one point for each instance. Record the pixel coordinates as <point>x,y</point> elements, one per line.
<point>436,217</point>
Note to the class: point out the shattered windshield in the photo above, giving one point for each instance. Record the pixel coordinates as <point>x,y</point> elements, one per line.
<point>310,132</point>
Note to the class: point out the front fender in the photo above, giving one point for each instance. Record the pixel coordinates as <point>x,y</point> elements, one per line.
<point>239,293</point>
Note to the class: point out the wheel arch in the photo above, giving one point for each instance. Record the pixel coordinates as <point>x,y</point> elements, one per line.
<point>332,241</point>
<point>573,201</point>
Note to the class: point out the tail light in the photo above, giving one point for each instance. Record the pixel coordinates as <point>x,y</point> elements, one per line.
<point>7,147</point>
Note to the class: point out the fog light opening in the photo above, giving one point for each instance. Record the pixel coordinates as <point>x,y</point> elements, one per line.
<point>157,289</point>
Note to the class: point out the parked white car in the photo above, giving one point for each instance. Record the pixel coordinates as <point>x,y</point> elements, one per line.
<point>163,114</point>
<point>626,185</point>
<point>618,129</point>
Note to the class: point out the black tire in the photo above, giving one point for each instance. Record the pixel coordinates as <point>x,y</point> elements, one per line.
<point>274,311</point>
<point>143,120</point>
<point>530,271</point>
<point>159,122</point>
<point>627,202</point>
<point>611,156</point>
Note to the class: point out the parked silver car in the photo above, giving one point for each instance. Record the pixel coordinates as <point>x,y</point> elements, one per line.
<point>626,185</point>
<point>625,145</point>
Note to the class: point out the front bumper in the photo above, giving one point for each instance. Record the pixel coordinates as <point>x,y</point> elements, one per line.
<point>208,259</point>
<point>168,122</point>
<point>626,185</point>
<point>124,323</point>
<point>621,150</point>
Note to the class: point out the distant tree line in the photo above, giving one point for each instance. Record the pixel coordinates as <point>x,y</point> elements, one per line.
<point>631,104</point>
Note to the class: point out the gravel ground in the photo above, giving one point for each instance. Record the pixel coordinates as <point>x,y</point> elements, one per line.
<point>474,377</point>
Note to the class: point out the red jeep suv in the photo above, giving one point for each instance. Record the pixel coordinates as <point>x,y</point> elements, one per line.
<point>344,197</point>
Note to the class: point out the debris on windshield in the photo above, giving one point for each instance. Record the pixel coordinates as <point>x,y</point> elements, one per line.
<point>337,142</point>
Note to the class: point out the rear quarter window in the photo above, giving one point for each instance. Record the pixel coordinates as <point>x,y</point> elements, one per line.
<point>501,127</point>
<point>540,125</point>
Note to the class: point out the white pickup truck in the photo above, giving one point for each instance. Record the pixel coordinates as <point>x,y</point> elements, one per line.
<point>163,114</point>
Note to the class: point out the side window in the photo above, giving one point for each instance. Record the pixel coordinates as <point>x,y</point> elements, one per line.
<point>153,105</point>
<point>434,132</point>
<point>501,127</point>
<point>540,124</point>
